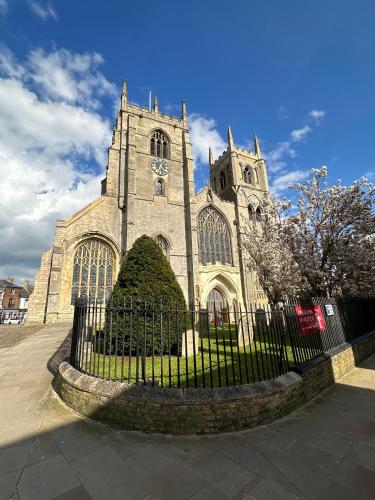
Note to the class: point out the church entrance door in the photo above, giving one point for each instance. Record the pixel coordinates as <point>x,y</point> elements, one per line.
<point>216,302</point>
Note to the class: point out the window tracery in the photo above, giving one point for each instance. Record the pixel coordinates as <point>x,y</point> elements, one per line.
<point>163,244</point>
<point>159,144</point>
<point>214,241</point>
<point>251,212</point>
<point>92,271</point>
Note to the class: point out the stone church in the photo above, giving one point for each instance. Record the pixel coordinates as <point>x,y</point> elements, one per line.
<point>149,189</point>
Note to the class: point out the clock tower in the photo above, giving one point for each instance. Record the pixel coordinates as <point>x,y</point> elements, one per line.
<point>149,189</point>
<point>150,170</point>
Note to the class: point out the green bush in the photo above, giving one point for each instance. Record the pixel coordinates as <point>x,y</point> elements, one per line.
<point>147,311</point>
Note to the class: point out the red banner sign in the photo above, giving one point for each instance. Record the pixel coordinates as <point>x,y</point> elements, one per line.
<point>310,320</point>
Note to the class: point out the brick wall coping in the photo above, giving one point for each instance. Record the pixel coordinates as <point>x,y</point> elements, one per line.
<point>121,390</point>
<point>199,411</point>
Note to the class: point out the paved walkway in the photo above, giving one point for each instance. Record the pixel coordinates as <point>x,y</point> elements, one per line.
<point>324,451</point>
<point>11,335</point>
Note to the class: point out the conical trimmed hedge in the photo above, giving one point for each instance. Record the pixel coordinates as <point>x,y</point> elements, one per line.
<point>147,308</point>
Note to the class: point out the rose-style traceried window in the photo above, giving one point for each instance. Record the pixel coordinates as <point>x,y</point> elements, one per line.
<point>92,271</point>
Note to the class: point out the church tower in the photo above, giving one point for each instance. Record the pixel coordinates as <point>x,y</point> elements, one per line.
<point>149,189</point>
<point>240,176</point>
<point>150,171</point>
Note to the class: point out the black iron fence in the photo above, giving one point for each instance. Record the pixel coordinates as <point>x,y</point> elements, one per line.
<point>166,346</point>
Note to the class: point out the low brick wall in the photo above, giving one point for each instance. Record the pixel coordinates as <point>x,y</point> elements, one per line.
<point>199,411</point>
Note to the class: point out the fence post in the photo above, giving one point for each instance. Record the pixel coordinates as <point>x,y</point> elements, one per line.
<point>74,343</point>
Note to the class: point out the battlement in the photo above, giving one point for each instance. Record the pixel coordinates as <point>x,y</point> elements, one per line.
<point>236,149</point>
<point>220,157</point>
<point>137,109</point>
<point>246,151</point>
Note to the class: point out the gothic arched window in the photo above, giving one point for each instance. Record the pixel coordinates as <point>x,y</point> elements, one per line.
<point>159,188</point>
<point>251,212</point>
<point>159,144</point>
<point>213,237</point>
<point>163,244</point>
<point>248,176</point>
<point>92,271</point>
<point>223,181</point>
<point>258,214</point>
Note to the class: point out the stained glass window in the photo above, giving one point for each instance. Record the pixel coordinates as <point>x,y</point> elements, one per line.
<point>213,237</point>
<point>92,271</point>
<point>163,244</point>
<point>159,145</point>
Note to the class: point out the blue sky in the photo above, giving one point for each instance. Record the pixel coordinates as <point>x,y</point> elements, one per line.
<point>299,74</point>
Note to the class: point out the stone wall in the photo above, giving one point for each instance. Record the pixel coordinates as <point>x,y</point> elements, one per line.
<point>200,411</point>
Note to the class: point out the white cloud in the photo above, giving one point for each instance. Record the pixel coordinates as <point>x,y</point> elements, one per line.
<point>171,109</point>
<point>8,64</point>
<point>52,152</point>
<point>317,115</point>
<point>74,78</point>
<point>4,7</point>
<point>299,134</point>
<point>283,113</point>
<point>277,158</point>
<point>203,134</point>
<point>43,11</point>
<point>282,149</point>
<point>282,182</point>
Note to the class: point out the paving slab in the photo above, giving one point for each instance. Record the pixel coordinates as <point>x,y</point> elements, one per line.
<point>325,450</point>
<point>47,479</point>
<point>8,482</point>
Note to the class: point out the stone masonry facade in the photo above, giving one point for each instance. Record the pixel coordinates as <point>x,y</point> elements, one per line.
<point>149,189</point>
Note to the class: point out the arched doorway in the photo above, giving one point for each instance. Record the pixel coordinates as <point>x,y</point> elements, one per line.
<point>216,302</point>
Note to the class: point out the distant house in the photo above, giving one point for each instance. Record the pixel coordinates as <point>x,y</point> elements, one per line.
<point>14,302</point>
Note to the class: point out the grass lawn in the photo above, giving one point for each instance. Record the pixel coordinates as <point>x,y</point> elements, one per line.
<point>220,361</point>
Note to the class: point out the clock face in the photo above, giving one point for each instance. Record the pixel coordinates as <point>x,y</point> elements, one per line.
<point>160,166</point>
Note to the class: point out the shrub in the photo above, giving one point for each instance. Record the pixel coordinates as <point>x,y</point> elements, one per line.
<point>147,311</point>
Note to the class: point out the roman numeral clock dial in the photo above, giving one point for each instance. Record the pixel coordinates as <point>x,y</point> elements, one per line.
<point>159,166</point>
